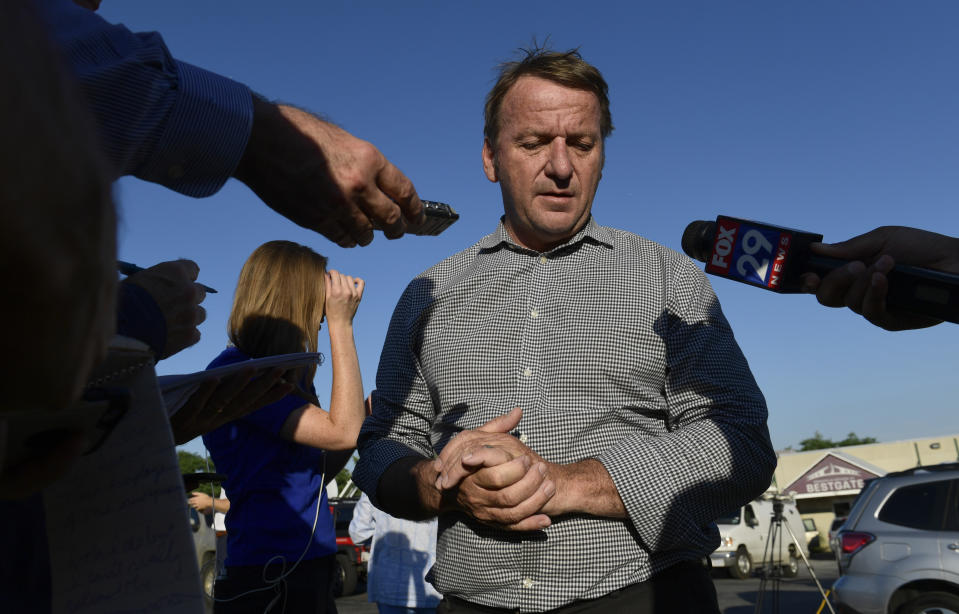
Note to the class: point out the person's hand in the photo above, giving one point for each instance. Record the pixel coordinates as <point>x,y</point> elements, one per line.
<point>343,296</point>
<point>217,402</point>
<point>32,476</point>
<point>862,284</point>
<point>325,179</point>
<point>174,289</point>
<point>495,478</point>
<point>201,502</point>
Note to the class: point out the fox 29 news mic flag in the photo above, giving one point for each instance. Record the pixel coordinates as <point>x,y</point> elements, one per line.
<point>750,252</point>
<point>774,258</point>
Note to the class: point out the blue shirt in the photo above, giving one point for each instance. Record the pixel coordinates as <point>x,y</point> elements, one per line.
<point>158,118</point>
<point>273,485</point>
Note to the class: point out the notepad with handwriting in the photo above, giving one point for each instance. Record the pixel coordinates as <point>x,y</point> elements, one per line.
<point>117,523</point>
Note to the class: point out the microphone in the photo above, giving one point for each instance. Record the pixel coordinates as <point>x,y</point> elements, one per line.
<point>774,258</point>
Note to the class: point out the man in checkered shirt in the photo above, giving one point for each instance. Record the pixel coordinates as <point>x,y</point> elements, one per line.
<point>589,406</point>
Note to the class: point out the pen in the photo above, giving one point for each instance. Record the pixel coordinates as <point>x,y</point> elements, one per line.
<point>128,268</point>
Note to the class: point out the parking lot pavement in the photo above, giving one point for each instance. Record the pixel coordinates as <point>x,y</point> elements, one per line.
<point>798,595</point>
<point>355,603</point>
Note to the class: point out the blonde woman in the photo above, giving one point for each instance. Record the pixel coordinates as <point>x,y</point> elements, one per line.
<point>281,542</point>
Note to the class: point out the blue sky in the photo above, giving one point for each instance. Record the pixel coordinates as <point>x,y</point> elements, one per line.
<point>826,116</point>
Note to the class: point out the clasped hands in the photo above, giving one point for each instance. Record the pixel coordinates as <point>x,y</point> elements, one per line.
<point>495,478</point>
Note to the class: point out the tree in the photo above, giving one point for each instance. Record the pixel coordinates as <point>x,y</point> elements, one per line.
<point>818,442</point>
<point>852,440</point>
<point>344,476</point>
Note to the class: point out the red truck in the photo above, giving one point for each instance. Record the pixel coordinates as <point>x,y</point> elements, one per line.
<point>352,558</point>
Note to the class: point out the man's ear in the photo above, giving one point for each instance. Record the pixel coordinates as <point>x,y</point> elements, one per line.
<point>489,165</point>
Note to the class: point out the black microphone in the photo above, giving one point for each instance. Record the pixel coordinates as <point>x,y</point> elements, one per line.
<point>774,258</point>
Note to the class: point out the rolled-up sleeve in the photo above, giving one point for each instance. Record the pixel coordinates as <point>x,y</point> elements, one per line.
<point>717,452</point>
<point>159,119</point>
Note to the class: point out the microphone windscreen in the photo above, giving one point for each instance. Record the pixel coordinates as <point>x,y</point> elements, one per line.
<point>698,239</point>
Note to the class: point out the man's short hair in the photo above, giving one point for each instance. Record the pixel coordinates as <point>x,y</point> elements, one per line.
<point>567,68</point>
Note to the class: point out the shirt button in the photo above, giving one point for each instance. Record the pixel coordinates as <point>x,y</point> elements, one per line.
<point>527,372</point>
<point>527,583</point>
<point>542,259</point>
<point>534,314</point>
<point>523,438</point>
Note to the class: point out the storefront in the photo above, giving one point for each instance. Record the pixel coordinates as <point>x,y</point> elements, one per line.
<point>826,482</point>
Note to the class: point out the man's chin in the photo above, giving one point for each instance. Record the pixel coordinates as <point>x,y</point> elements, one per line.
<point>557,233</point>
<point>560,223</point>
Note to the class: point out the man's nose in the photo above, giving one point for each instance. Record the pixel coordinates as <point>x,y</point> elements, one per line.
<point>559,166</point>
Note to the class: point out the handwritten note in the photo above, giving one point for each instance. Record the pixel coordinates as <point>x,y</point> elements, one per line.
<point>117,523</point>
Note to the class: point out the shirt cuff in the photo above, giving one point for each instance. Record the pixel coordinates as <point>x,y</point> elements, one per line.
<point>375,459</point>
<point>205,135</point>
<point>139,316</point>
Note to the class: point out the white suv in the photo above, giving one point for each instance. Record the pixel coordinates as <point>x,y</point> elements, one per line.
<point>898,551</point>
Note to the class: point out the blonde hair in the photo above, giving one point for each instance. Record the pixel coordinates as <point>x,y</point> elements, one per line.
<point>279,301</point>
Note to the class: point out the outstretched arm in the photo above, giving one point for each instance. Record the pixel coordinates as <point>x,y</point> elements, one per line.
<point>205,504</point>
<point>323,178</point>
<point>862,285</point>
<point>189,129</point>
<point>217,402</point>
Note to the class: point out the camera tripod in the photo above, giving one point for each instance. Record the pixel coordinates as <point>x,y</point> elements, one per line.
<point>772,573</point>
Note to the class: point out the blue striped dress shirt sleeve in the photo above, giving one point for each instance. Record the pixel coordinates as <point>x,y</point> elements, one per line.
<point>159,119</point>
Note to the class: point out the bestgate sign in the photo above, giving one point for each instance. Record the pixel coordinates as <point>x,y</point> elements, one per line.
<point>831,475</point>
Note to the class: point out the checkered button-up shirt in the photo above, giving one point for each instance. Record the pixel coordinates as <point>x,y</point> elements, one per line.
<point>616,349</point>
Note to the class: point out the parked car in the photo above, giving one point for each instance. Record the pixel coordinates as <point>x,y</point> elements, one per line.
<point>744,535</point>
<point>811,533</point>
<point>898,551</point>
<point>351,558</point>
<point>204,535</point>
<point>834,532</point>
<point>204,540</point>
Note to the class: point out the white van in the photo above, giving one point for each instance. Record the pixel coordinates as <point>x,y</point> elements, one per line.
<point>744,534</point>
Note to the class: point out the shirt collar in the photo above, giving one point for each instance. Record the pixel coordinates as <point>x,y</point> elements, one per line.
<point>593,231</point>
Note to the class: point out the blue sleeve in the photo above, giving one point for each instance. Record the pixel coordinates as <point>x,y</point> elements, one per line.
<point>139,316</point>
<point>160,119</point>
<point>271,417</point>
